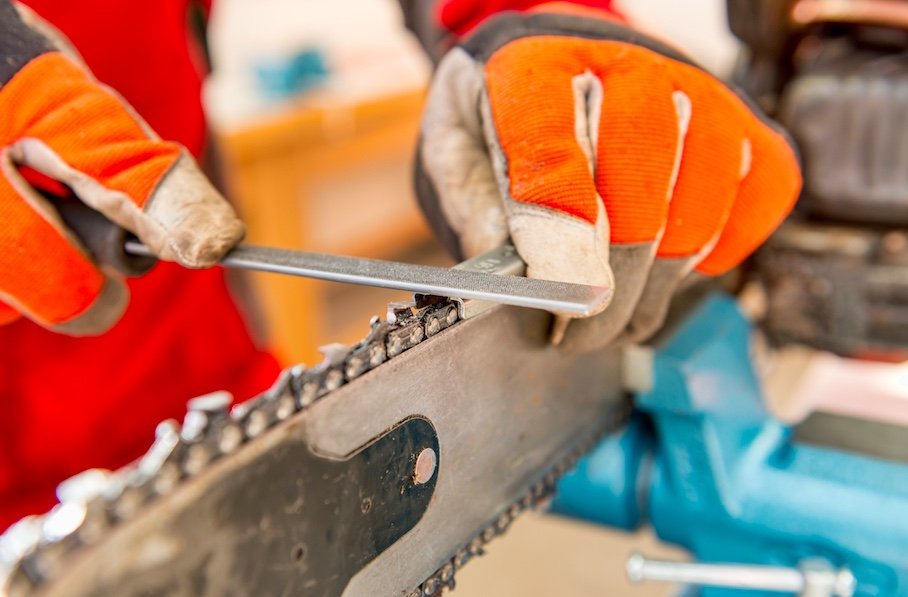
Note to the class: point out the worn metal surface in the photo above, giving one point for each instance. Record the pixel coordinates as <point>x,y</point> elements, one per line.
<point>562,297</point>
<point>716,474</point>
<point>871,438</point>
<point>286,522</point>
<point>504,403</point>
<point>847,108</point>
<point>838,288</point>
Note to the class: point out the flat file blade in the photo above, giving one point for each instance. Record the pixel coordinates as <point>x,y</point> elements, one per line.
<point>558,297</point>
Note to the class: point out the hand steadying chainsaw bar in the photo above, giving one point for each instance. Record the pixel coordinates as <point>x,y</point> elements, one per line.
<point>380,471</point>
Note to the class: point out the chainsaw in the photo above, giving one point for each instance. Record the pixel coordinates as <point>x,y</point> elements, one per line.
<point>383,470</point>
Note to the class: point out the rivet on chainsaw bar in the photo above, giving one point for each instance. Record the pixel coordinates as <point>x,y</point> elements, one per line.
<point>425,466</point>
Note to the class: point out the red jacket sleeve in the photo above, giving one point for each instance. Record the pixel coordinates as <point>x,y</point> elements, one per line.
<point>439,24</point>
<point>461,16</point>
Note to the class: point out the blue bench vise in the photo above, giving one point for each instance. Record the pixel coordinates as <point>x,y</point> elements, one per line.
<point>704,463</point>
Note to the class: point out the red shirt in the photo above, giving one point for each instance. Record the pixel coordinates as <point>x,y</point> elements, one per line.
<point>462,16</point>
<point>76,403</point>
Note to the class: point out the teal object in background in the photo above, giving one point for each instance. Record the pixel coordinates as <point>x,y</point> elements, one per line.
<point>710,470</point>
<point>284,77</point>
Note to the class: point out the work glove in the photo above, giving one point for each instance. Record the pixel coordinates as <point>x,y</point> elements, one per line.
<point>605,156</point>
<point>56,120</point>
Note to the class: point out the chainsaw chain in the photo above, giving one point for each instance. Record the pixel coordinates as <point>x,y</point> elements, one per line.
<point>538,497</point>
<point>36,548</point>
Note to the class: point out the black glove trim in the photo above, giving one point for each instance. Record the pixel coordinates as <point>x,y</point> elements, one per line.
<point>509,26</point>
<point>19,44</point>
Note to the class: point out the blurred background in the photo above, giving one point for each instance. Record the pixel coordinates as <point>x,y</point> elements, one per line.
<point>315,107</point>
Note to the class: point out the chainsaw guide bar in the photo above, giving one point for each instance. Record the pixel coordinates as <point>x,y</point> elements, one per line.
<point>381,471</point>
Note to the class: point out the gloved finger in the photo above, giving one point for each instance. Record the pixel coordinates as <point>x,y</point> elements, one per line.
<point>765,197</point>
<point>642,138</point>
<point>65,125</point>
<point>44,28</point>
<point>545,109</point>
<point>639,136</point>
<point>637,176</point>
<point>454,177</point>
<point>44,272</point>
<point>715,158</point>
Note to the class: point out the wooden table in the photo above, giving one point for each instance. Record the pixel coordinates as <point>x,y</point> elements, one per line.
<point>331,179</point>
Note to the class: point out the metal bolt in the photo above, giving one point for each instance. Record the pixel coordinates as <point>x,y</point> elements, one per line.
<point>451,317</point>
<point>376,355</point>
<point>488,534</point>
<point>285,407</point>
<point>544,503</point>
<point>127,503</point>
<point>503,522</point>
<point>231,438</point>
<point>430,586</point>
<point>426,463</point>
<point>433,326</point>
<point>308,393</point>
<point>821,579</point>
<point>447,572</point>
<point>461,559</point>
<point>196,459</point>
<point>538,490</point>
<point>355,366</point>
<point>476,547</point>
<point>334,379</point>
<point>256,423</point>
<point>95,522</point>
<point>167,478</point>
<point>395,346</point>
